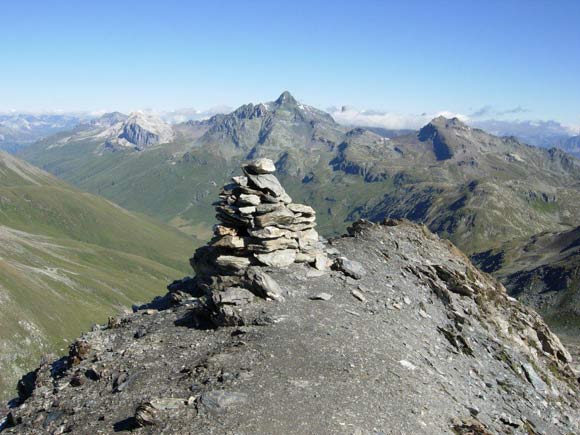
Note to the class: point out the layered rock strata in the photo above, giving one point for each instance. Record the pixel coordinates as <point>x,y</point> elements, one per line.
<point>259,227</point>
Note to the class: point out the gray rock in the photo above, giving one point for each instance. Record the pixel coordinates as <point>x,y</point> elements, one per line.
<point>264,285</point>
<point>321,261</point>
<point>282,258</point>
<point>296,227</point>
<point>310,235</point>
<point>268,183</point>
<point>270,245</point>
<point>245,199</point>
<point>269,232</point>
<point>534,379</point>
<point>240,180</point>
<point>233,296</point>
<point>357,294</point>
<point>219,401</point>
<point>269,207</point>
<point>305,257</point>
<point>304,219</point>
<point>247,210</point>
<point>349,267</point>
<point>321,297</point>
<point>302,209</point>
<point>281,216</point>
<point>260,166</point>
<point>233,261</point>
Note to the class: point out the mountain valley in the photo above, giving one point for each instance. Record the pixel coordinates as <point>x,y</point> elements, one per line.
<point>70,259</point>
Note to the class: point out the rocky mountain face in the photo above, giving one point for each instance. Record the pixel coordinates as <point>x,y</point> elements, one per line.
<point>69,259</point>
<point>113,132</point>
<point>143,131</point>
<point>543,271</point>
<point>478,190</point>
<point>270,129</point>
<point>396,333</point>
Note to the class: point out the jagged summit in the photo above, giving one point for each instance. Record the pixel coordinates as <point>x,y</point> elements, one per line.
<point>444,122</point>
<point>142,130</point>
<point>264,129</point>
<point>286,99</point>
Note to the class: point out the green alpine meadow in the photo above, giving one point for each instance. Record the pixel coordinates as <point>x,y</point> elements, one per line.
<point>71,259</point>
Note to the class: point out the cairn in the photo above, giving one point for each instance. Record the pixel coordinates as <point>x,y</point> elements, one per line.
<point>260,228</point>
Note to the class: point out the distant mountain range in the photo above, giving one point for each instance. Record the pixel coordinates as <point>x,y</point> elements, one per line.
<point>18,129</point>
<point>70,259</point>
<point>544,134</point>
<point>479,190</point>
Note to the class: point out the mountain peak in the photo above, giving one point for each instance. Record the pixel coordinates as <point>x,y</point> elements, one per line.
<point>144,129</point>
<point>109,119</point>
<point>437,131</point>
<point>286,98</point>
<point>443,122</point>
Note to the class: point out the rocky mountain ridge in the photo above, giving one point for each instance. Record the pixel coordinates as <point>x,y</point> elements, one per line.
<point>478,190</point>
<point>400,335</point>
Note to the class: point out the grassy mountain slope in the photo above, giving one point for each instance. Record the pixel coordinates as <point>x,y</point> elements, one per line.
<point>70,259</point>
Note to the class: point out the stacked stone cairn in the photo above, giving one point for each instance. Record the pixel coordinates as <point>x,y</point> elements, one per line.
<point>260,229</point>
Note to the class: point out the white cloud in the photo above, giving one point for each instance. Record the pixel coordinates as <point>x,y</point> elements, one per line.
<point>573,129</point>
<point>391,120</point>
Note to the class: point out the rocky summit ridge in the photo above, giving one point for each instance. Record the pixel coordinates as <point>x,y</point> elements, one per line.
<point>401,334</point>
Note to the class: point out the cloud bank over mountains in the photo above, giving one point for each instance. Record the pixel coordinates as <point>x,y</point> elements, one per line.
<point>389,120</point>
<point>497,121</point>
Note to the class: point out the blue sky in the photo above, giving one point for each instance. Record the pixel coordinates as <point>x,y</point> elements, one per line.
<point>494,59</point>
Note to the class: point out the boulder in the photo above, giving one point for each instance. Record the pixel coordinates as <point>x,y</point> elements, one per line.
<point>282,216</point>
<point>247,210</point>
<point>282,258</point>
<point>233,262</point>
<point>230,242</point>
<point>240,180</point>
<point>269,233</point>
<point>263,284</point>
<point>248,199</point>
<point>268,207</point>
<point>349,267</point>
<point>302,209</point>
<point>260,166</point>
<point>269,245</point>
<point>268,183</point>
<point>233,296</point>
